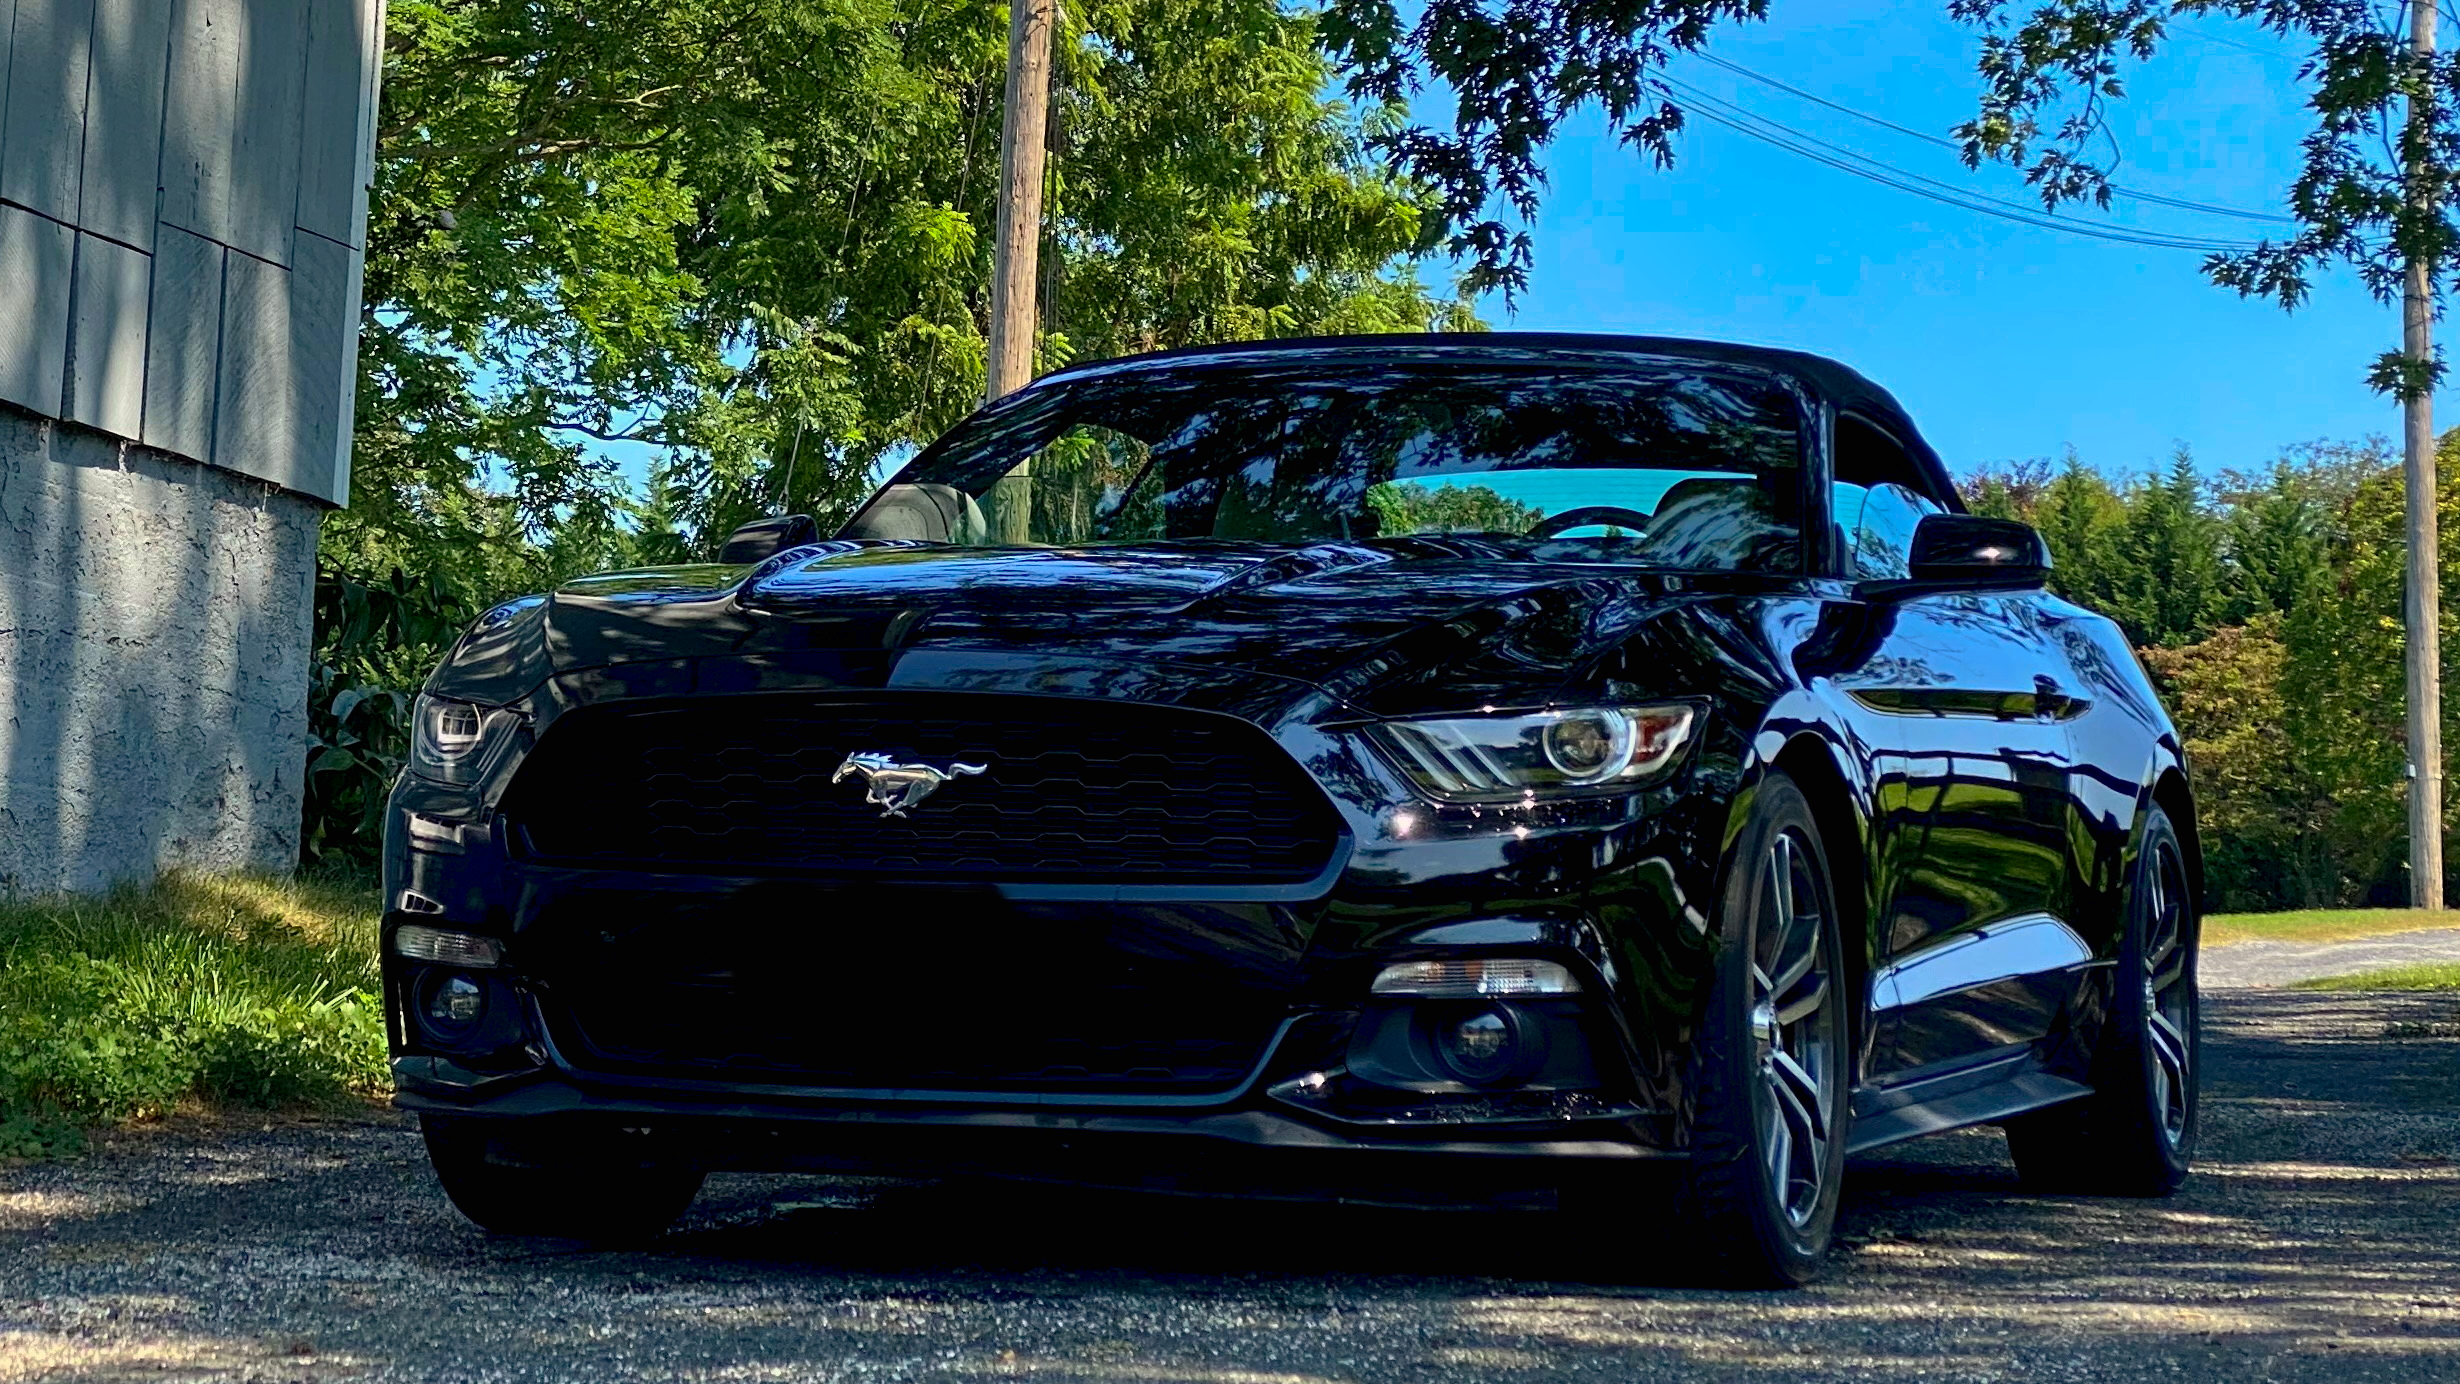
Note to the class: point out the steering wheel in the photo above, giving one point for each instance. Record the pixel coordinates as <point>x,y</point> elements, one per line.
<point>1586,515</point>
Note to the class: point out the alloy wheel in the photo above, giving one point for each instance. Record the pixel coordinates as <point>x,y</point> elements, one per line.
<point>1796,1049</point>
<point>2169,990</point>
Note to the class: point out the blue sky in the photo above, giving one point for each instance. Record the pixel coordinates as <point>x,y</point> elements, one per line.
<point>2004,341</point>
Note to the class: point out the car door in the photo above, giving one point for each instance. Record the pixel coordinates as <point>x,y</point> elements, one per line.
<point>1967,705</point>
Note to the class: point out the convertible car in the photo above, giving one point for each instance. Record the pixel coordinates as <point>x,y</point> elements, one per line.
<point>1379,767</point>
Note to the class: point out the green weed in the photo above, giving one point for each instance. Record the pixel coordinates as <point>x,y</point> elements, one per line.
<point>232,990</point>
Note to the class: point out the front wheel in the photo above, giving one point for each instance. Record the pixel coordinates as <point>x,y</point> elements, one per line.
<point>1769,1131</point>
<point>513,1181</point>
<point>2135,1135</point>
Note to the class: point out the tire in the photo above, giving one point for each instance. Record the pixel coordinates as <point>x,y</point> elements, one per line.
<point>1770,1069</point>
<point>2135,1135</point>
<point>512,1180</point>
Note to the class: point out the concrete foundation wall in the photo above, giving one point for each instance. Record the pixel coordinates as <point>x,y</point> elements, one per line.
<point>155,621</point>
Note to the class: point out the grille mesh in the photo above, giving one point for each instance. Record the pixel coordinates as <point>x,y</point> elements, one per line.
<point>1074,790</point>
<point>902,985</point>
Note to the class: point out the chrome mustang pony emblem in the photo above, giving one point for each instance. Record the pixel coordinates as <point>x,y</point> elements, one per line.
<point>897,786</point>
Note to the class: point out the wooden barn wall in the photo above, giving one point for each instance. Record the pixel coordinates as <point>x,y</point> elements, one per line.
<point>183,211</point>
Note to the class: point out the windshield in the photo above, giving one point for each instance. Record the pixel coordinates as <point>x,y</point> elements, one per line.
<point>1682,467</point>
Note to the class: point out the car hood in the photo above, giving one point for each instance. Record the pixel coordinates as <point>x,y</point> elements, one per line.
<point>1365,622</point>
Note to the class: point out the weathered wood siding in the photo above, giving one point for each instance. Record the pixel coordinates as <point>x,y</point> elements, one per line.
<point>183,211</point>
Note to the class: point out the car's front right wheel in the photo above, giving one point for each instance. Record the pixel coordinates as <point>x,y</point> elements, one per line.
<point>514,1181</point>
<point>1769,1126</point>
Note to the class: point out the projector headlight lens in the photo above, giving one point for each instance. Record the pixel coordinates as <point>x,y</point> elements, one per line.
<point>1568,752</point>
<point>458,742</point>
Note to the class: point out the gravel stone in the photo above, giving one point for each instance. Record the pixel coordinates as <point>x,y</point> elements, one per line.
<point>2319,1239</point>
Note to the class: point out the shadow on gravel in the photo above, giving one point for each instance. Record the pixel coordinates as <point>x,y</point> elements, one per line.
<point>2320,1237</point>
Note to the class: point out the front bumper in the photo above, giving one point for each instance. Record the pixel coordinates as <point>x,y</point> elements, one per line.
<point>1606,887</point>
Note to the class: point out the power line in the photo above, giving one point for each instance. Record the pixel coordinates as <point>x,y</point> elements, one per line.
<point>2132,194</point>
<point>1746,122</point>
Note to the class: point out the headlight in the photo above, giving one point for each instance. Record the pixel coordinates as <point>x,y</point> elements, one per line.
<point>458,742</point>
<point>1496,758</point>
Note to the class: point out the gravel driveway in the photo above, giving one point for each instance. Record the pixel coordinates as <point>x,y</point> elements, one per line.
<point>2264,964</point>
<point>2319,1240</point>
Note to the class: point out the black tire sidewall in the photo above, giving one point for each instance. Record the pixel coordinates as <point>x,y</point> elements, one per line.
<point>2127,1076</point>
<point>550,1186</point>
<point>1733,1196</point>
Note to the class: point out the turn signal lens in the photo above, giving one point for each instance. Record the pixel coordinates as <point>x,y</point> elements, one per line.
<point>415,943</point>
<point>1475,978</point>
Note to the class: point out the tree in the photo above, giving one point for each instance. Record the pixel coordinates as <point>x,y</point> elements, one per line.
<point>1409,507</point>
<point>2263,813</point>
<point>742,244</point>
<point>2080,517</point>
<point>2342,683</point>
<point>2377,193</point>
<point>747,239</point>
<point>2279,531</point>
<point>2165,583</point>
<point>1515,72</point>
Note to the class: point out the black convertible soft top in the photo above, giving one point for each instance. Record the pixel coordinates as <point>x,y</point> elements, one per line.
<point>1841,385</point>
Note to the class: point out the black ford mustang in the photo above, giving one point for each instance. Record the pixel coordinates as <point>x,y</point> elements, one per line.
<point>1519,758</point>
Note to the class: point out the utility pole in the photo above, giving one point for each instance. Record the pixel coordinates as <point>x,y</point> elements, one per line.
<point>2424,606</point>
<point>1014,259</point>
<point>1021,150</point>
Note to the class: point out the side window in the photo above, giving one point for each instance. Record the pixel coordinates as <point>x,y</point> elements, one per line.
<point>1877,501</point>
<point>1883,539</point>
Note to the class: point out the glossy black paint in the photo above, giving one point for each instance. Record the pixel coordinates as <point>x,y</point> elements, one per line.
<point>1981,755</point>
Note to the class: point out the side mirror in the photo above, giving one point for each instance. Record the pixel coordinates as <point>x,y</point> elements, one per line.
<point>1969,550</point>
<point>762,539</point>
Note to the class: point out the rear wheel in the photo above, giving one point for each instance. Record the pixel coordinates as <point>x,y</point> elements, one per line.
<point>516,1181</point>
<point>2135,1135</point>
<point>1768,1160</point>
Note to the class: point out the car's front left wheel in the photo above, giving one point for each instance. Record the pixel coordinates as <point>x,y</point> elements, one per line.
<point>514,1181</point>
<point>1769,1128</point>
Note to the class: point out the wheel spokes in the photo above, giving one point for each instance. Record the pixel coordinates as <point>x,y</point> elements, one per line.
<point>1799,1095</point>
<point>1790,994</point>
<point>1805,1004</point>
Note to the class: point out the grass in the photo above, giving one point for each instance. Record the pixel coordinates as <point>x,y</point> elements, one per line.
<point>230,990</point>
<point>2431,975</point>
<point>2320,924</point>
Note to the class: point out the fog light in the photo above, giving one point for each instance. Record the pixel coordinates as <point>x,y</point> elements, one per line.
<point>456,1004</point>
<point>1476,978</point>
<point>417,943</point>
<point>1482,1047</point>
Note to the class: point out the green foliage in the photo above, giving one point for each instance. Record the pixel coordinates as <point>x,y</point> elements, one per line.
<point>745,246</point>
<point>1408,507</point>
<point>2386,126</point>
<point>2429,975</point>
<point>2271,835</point>
<point>375,641</point>
<point>229,990</point>
<point>2165,580</point>
<point>1515,73</point>
<point>2268,609</point>
<point>754,237</point>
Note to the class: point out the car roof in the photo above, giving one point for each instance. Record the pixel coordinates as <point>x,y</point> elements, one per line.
<point>1840,384</point>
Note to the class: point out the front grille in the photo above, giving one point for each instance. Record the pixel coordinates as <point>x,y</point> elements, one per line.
<point>709,1029</point>
<point>909,987</point>
<point>1073,790</point>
